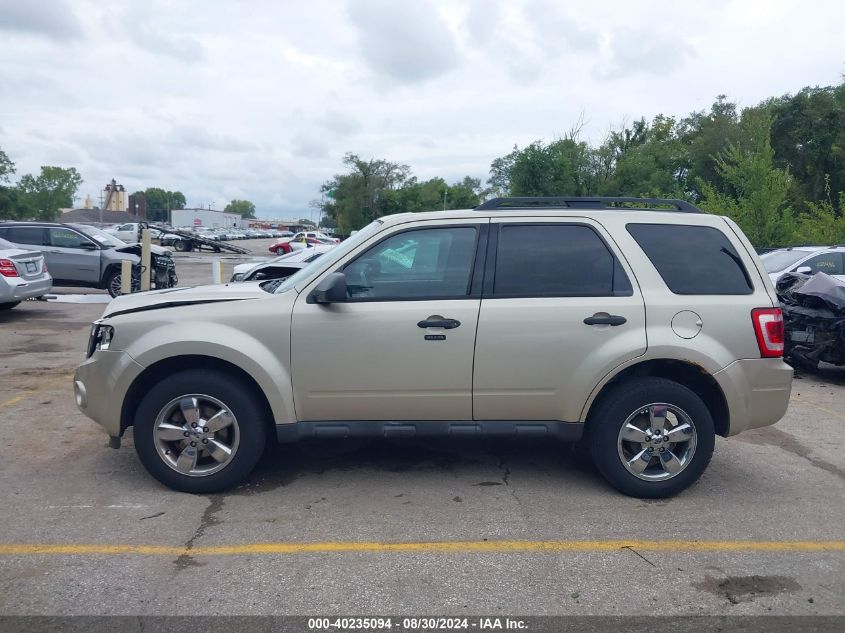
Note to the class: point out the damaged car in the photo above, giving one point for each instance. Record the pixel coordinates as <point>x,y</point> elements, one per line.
<point>83,255</point>
<point>814,319</point>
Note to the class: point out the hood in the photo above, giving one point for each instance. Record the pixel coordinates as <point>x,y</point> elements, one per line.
<point>174,297</point>
<point>135,249</point>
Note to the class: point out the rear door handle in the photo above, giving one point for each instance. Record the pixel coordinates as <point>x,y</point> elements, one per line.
<point>610,319</point>
<point>439,321</point>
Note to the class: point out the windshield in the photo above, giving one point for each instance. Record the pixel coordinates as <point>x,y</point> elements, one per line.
<point>101,237</point>
<point>775,261</point>
<point>332,256</point>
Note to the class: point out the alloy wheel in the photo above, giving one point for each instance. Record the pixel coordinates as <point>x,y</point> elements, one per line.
<point>657,442</point>
<point>196,435</point>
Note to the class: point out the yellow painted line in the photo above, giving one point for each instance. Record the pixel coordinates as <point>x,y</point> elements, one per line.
<point>835,414</point>
<point>788,547</point>
<point>14,400</point>
<point>28,393</point>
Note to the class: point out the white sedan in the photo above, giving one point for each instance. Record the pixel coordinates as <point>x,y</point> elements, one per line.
<point>805,259</point>
<point>278,267</point>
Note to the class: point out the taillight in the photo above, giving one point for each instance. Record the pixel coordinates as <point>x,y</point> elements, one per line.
<point>768,327</point>
<point>7,268</point>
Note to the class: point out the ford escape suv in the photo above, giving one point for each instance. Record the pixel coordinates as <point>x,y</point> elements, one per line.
<point>638,329</point>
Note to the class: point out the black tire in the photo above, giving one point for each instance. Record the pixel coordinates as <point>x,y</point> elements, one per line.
<point>181,245</point>
<point>113,283</point>
<point>8,306</point>
<point>239,397</point>
<point>606,421</point>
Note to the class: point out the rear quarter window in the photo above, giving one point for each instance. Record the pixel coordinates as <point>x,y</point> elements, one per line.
<point>693,260</point>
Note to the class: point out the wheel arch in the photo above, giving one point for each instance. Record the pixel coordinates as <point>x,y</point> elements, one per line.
<point>157,371</point>
<point>685,373</point>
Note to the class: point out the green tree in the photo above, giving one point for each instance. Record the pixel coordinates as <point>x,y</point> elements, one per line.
<point>648,160</point>
<point>305,222</point>
<point>52,189</point>
<point>7,167</point>
<point>706,135</point>
<point>352,199</point>
<point>757,198</point>
<point>808,137</point>
<point>160,202</point>
<point>243,208</point>
<point>10,203</point>
<point>560,168</point>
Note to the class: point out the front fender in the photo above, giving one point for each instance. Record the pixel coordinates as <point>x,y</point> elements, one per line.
<point>268,366</point>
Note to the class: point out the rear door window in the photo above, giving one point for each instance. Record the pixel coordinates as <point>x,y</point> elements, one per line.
<point>25,235</point>
<point>693,260</point>
<point>556,260</point>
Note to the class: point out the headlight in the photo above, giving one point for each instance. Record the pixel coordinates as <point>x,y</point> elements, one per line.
<point>101,337</point>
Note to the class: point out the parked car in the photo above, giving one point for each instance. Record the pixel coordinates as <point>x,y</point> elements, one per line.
<point>23,275</point>
<point>82,255</point>
<point>279,267</point>
<point>814,318</point>
<point>298,242</point>
<point>805,259</point>
<point>444,323</point>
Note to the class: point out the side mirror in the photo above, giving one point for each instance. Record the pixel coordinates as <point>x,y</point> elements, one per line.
<point>804,270</point>
<point>331,290</point>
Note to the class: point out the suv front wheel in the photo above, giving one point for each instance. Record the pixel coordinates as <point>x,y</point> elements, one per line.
<point>651,437</point>
<point>200,431</point>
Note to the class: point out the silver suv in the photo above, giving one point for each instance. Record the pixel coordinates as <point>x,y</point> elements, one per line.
<point>638,333</point>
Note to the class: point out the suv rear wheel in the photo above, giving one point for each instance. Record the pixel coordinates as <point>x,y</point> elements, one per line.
<point>651,437</point>
<point>200,431</point>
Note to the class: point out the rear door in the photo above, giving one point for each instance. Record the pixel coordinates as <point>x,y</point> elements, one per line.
<point>559,311</point>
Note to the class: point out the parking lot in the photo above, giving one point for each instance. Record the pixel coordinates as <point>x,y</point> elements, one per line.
<point>422,527</point>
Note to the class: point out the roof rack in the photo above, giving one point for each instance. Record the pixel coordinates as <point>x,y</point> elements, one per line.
<point>532,203</point>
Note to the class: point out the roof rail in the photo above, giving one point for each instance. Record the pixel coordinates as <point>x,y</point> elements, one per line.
<point>532,203</point>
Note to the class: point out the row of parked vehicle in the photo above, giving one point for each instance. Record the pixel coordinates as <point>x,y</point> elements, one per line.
<point>70,254</point>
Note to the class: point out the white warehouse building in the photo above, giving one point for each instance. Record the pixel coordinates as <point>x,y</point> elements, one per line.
<point>204,217</point>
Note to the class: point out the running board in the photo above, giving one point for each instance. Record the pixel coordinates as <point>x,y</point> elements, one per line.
<point>567,431</point>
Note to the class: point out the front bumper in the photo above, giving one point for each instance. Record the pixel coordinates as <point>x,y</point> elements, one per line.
<point>14,289</point>
<point>100,385</point>
<point>757,391</point>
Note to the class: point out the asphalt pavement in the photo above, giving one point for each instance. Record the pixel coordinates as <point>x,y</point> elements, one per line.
<point>402,527</point>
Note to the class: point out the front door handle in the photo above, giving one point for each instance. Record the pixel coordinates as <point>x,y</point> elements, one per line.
<point>438,321</point>
<point>610,319</point>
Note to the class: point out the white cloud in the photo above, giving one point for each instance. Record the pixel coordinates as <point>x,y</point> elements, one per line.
<point>403,42</point>
<point>260,101</point>
<point>50,18</point>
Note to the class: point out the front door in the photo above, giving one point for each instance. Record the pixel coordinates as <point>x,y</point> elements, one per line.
<point>401,346</point>
<point>559,312</point>
<point>71,256</point>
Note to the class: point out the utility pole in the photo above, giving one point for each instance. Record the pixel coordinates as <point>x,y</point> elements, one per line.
<point>445,191</point>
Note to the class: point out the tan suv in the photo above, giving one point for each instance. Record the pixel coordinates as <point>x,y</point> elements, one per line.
<point>639,333</point>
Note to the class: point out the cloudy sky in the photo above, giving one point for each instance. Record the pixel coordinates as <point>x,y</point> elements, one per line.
<point>261,99</point>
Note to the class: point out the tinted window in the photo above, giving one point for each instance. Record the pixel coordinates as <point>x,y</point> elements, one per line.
<point>693,260</point>
<point>25,235</point>
<point>830,263</point>
<point>556,260</point>
<point>426,263</point>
